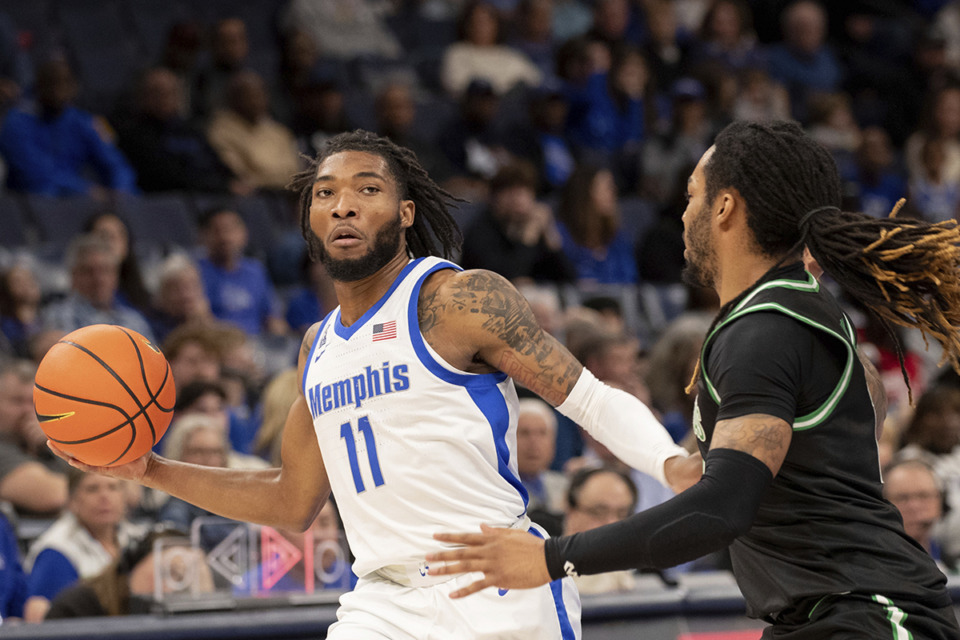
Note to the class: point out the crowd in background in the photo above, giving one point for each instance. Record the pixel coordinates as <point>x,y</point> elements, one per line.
<point>146,149</point>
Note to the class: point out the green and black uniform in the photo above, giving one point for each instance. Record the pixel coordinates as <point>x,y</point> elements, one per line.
<point>815,550</point>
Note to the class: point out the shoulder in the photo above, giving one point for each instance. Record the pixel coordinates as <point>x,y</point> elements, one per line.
<point>467,292</point>
<point>763,330</point>
<point>307,344</point>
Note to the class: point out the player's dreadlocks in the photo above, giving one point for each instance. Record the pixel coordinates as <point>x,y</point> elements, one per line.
<point>905,271</point>
<point>432,222</point>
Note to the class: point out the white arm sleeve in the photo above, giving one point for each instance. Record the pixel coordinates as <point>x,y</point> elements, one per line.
<point>622,423</point>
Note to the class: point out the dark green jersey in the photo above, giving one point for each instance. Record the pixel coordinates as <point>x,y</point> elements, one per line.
<point>789,351</point>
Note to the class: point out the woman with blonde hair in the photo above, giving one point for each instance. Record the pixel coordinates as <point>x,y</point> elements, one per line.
<point>278,397</point>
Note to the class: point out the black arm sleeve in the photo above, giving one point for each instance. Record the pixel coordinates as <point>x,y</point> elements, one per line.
<point>706,517</point>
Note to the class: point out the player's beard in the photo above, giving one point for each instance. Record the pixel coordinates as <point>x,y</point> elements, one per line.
<point>386,245</point>
<point>700,268</point>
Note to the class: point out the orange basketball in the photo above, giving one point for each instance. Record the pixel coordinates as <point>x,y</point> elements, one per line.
<point>104,394</point>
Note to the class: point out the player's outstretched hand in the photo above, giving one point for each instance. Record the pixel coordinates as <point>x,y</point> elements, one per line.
<point>131,471</point>
<point>508,559</point>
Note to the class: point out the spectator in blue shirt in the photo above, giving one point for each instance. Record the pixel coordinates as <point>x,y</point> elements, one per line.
<point>238,287</point>
<point>13,580</point>
<point>593,237</point>
<point>877,179</point>
<point>803,62</point>
<point>49,147</point>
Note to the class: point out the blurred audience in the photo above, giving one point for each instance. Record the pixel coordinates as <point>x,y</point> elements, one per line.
<point>13,579</point>
<point>180,297</point>
<point>343,29</point>
<point>259,150</point>
<point>278,396</point>
<point>20,303</point>
<point>915,490</point>
<point>804,62</point>
<point>52,147</point>
<point>598,496</point>
<point>590,225</point>
<point>168,149</point>
<point>239,288</point>
<point>516,236</point>
<point>128,585</point>
<point>536,447</point>
<point>230,51</point>
<point>94,282</point>
<point>115,231</point>
<point>81,543</point>
<point>31,483</point>
<point>478,54</point>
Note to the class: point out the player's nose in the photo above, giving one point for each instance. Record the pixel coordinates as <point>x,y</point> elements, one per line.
<point>345,206</point>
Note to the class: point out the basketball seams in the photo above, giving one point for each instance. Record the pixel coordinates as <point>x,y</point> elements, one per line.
<point>146,384</point>
<point>118,362</point>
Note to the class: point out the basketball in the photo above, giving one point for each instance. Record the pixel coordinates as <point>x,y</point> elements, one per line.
<point>104,394</point>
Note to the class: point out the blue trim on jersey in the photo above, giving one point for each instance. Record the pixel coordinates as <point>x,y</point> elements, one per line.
<point>482,387</point>
<point>416,339</point>
<point>347,332</point>
<point>313,347</point>
<point>556,588</point>
<point>493,405</point>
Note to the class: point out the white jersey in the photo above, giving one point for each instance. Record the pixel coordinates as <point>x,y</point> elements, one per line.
<point>412,446</point>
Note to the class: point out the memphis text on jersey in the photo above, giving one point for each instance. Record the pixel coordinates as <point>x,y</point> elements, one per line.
<point>354,390</point>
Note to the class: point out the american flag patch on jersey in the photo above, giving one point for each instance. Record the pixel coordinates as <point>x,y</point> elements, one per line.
<point>385,331</point>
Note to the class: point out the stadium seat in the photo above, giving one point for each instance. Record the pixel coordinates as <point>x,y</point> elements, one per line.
<point>13,222</point>
<point>59,220</point>
<point>102,48</point>
<point>151,22</point>
<point>159,223</point>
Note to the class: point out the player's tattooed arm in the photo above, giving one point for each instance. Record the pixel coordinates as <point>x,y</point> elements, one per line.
<point>763,436</point>
<point>305,347</point>
<point>506,334</point>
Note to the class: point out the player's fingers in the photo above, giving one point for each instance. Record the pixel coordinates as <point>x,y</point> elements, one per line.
<point>73,462</point>
<point>448,556</point>
<point>479,585</point>
<point>447,569</point>
<point>460,538</point>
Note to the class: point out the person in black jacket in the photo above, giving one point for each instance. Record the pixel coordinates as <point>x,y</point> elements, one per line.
<point>168,151</point>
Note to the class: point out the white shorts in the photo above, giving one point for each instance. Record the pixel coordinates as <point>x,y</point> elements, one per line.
<point>379,608</point>
<point>412,605</point>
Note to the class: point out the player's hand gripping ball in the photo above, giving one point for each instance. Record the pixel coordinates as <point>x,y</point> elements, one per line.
<point>104,394</point>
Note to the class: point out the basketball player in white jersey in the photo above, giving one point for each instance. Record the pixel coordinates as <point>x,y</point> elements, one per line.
<point>408,411</point>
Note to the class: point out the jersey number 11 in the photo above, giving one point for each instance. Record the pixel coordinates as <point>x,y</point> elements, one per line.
<point>346,432</point>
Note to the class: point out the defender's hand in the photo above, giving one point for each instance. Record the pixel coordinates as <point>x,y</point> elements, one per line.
<point>508,559</point>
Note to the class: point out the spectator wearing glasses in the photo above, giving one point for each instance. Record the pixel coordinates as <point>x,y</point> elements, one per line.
<point>599,496</point>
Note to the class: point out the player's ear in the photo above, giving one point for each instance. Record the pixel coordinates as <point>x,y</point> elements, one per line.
<point>408,210</point>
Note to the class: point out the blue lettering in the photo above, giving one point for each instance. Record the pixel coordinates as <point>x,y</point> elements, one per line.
<point>314,400</point>
<point>342,395</point>
<point>402,382</point>
<point>386,378</point>
<point>373,382</point>
<point>359,389</point>
<point>326,396</point>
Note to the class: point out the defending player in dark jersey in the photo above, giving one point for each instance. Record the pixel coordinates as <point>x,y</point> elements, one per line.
<point>783,417</point>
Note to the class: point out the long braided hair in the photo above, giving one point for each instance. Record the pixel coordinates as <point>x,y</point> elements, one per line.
<point>434,231</point>
<point>905,271</point>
